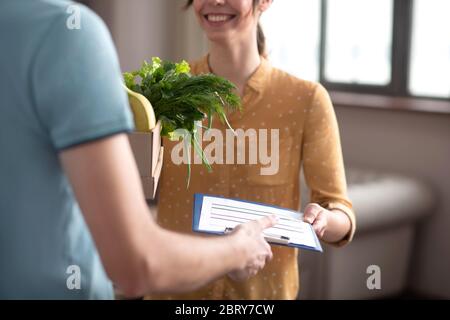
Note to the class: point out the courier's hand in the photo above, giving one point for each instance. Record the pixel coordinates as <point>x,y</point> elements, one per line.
<point>250,243</point>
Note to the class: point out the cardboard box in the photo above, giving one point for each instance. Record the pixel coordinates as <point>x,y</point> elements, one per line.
<point>148,153</point>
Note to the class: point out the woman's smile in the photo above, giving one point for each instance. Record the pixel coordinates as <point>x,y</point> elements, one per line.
<point>218,19</point>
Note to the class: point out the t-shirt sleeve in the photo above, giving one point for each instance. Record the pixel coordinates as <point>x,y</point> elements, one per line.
<point>77,82</point>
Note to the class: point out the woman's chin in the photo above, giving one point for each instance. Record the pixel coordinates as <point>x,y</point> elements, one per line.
<point>220,38</point>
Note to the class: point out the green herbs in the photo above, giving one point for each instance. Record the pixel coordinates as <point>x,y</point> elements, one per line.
<point>181,100</point>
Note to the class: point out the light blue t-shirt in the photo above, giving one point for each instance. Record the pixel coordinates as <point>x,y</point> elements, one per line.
<point>59,87</point>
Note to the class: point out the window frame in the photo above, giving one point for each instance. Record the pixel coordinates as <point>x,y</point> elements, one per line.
<point>400,56</point>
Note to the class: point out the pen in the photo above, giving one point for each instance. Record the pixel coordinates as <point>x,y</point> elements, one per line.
<point>272,238</point>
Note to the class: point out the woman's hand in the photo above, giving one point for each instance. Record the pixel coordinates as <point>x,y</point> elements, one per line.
<point>329,225</point>
<point>318,217</point>
<point>255,250</point>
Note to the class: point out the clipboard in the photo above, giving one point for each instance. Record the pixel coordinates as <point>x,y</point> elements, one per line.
<point>219,215</point>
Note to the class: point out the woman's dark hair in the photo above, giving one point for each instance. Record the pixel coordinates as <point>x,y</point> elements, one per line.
<point>260,37</point>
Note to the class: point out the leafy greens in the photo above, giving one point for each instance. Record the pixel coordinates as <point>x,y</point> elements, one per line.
<point>181,100</point>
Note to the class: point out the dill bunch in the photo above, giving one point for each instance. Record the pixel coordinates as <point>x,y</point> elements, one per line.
<point>181,100</point>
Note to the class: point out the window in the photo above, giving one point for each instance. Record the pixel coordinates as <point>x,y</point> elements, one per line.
<point>358,41</point>
<point>390,47</point>
<point>292,29</point>
<point>430,50</point>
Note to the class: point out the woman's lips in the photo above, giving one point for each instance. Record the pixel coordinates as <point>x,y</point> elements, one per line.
<point>218,19</point>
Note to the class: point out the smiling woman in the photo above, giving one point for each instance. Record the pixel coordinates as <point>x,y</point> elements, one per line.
<point>215,17</point>
<point>272,100</point>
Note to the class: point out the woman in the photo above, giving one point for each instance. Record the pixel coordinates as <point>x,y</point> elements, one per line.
<point>308,134</point>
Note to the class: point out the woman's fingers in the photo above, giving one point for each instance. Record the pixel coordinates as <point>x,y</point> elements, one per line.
<point>311,212</point>
<point>316,216</point>
<point>320,224</point>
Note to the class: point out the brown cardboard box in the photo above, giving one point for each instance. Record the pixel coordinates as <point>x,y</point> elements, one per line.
<point>148,153</point>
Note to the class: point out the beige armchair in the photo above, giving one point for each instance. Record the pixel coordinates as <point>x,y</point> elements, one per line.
<point>388,208</point>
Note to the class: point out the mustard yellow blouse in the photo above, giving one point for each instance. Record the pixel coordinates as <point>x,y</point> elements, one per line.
<point>308,135</point>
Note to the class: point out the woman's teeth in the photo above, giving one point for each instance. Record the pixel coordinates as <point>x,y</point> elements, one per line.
<point>218,18</point>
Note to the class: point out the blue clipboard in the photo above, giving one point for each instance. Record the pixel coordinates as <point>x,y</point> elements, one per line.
<point>198,203</point>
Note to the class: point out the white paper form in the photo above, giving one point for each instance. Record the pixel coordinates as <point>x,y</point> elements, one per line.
<point>218,214</point>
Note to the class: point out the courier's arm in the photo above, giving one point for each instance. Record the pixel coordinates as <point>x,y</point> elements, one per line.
<point>139,256</point>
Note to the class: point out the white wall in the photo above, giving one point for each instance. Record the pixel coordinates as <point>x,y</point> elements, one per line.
<point>140,28</point>
<point>416,144</point>
<point>145,28</point>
